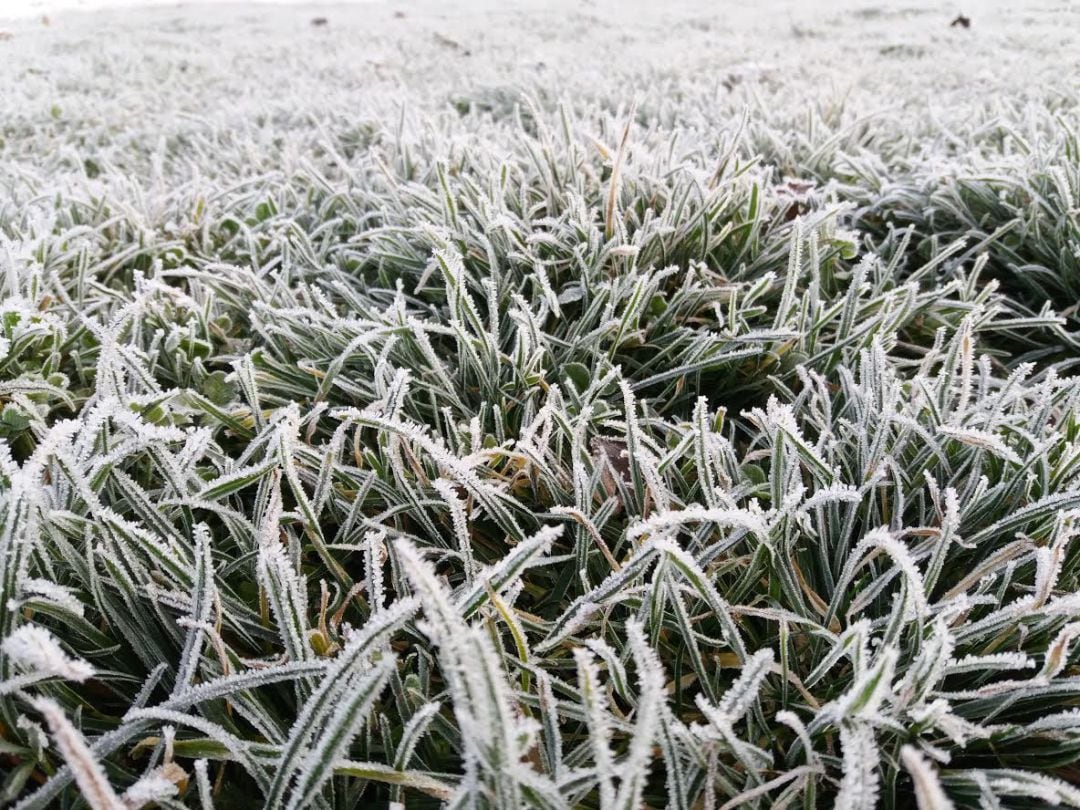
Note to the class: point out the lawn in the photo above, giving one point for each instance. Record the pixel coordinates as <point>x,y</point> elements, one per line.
<point>541,405</point>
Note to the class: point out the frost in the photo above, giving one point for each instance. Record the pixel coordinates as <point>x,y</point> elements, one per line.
<point>37,651</point>
<point>527,414</point>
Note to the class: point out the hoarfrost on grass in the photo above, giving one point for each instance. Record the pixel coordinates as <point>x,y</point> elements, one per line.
<point>465,409</point>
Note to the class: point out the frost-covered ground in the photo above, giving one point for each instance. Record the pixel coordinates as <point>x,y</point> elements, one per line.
<point>552,405</point>
<point>58,9</point>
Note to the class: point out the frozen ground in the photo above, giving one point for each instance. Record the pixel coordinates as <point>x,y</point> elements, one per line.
<point>876,55</point>
<point>56,9</point>
<point>564,405</point>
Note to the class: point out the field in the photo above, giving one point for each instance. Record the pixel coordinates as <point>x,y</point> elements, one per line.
<point>557,405</point>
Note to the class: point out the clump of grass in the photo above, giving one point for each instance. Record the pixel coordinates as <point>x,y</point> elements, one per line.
<point>541,458</point>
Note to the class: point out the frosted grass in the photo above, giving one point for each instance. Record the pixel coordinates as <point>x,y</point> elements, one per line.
<point>435,408</point>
